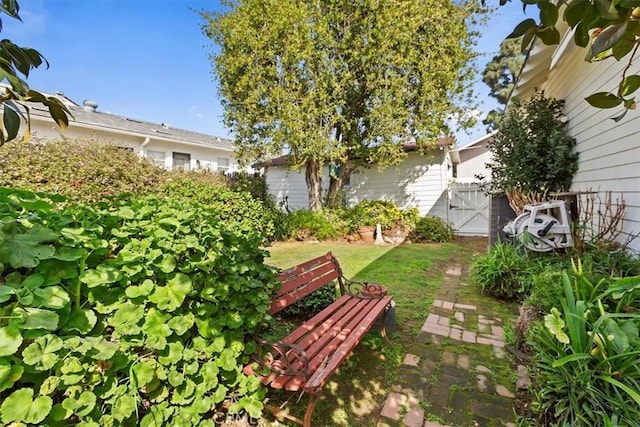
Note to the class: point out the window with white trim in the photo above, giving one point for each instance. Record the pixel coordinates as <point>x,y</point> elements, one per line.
<point>223,163</point>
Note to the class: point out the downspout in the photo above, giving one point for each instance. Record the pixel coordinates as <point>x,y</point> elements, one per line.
<point>146,142</point>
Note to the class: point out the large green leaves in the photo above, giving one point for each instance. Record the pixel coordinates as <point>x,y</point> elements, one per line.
<point>171,296</point>
<point>106,319</point>
<point>24,248</point>
<point>43,352</point>
<point>21,407</point>
<point>10,340</point>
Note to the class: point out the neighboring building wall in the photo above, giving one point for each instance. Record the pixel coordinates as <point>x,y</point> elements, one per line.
<point>288,185</point>
<point>419,181</point>
<point>609,151</point>
<point>473,162</point>
<point>202,157</point>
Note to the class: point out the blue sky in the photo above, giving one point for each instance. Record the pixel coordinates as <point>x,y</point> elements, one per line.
<point>149,59</point>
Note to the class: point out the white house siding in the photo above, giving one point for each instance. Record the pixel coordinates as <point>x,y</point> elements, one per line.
<point>609,152</point>
<point>288,185</point>
<point>201,156</point>
<point>473,162</point>
<point>419,181</point>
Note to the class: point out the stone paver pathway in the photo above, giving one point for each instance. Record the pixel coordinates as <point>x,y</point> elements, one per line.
<point>453,384</point>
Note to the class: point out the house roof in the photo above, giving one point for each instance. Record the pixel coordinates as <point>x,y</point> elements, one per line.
<point>540,59</point>
<point>447,141</point>
<point>88,117</point>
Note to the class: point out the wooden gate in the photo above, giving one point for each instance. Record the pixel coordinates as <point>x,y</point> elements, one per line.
<point>468,209</point>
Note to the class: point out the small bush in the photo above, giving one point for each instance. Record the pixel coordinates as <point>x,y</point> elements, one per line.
<point>304,224</point>
<point>385,213</point>
<point>432,229</point>
<point>546,290</point>
<point>505,272</point>
<point>312,304</point>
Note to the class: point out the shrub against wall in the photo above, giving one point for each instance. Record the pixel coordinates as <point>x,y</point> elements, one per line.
<point>81,170</point>
<point>131,313</point>
<point>533,151</point>
<point>432,229</point>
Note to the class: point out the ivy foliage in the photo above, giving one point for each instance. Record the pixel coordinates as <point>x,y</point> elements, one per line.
<point>533,151</point>
<point>127,313</point>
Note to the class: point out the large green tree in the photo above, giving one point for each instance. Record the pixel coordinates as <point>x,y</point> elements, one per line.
<point>341,82</point>
<point>15,65</point>
<point>500,75</point>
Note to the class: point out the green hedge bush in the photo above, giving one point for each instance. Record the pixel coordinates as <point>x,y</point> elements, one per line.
<point>304,224</point>
<point>129,313</point>
<point>85,171</point>
<point>385,213</point>
<point>432,229</point>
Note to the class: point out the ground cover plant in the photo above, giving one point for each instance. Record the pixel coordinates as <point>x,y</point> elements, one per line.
<point>582,370</point>
<point>585,366</point>
<point>130,312</point>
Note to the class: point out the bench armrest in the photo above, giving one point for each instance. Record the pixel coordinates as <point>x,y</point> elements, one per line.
<point>282,358</point>
<point>366,290</point>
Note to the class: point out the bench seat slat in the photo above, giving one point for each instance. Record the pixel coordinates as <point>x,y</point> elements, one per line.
<point>313,283</point>
<point>336,308</point>
<point>360,315</point>
<point>353,337</point>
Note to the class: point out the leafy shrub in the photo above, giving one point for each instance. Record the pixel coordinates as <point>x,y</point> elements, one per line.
<point>304,224</point>
<point>312,304</point>
<point>533,151</point>
<point>385,213</point>
<point>129,313</point>
<point>432,229</point>
<point>505,272</point>
<point>238,209</point>
<point>585,367</point>
<point>80,170</point>
<point>546,289</point>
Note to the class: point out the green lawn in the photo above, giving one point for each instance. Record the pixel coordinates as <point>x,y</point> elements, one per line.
<point>412,274</point>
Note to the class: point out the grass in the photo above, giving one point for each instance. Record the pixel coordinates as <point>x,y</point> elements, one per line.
<point>412,274</point>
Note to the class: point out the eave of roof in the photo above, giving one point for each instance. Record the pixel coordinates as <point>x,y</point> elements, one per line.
<point>124,125</point>
<point>443,142</point>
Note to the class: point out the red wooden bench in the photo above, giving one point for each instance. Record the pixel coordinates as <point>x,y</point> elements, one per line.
<point>307,357</point>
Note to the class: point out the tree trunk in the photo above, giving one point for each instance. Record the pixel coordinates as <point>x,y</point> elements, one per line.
<point>336,185</point>
<point>314,184</point>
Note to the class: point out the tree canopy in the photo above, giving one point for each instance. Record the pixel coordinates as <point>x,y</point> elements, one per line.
<point>341,82</point>
<point>15,65</point>
<point>500,75</point>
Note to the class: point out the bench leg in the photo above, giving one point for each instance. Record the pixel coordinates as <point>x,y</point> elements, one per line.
<point>313,400</point>
<point>383,329</point>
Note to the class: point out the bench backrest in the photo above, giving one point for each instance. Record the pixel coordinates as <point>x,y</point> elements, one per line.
<point>304,279</point>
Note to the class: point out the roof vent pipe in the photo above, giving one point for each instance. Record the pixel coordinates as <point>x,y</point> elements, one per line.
<point>90,105</point>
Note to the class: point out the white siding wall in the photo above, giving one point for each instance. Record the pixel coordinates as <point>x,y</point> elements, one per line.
<point>284,183</point>
<point>419,181</point>
<point>203,156</point>
<point>609,152</point>
<point>473,161</point>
